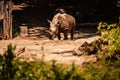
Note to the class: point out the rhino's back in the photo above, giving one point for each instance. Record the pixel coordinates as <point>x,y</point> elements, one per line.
<point>56,17</point>
<point>70,19</point>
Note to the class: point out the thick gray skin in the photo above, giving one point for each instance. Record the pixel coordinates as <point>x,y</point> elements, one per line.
<point>64,23</point>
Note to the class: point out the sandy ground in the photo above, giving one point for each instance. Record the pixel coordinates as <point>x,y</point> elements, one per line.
<point>31,48</point>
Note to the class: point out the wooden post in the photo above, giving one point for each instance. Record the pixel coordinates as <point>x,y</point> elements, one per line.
<point>5,21</point>
<point>8,20</point>
<point>1,18</point>
<point>1,10</point>
<point>10,4</point>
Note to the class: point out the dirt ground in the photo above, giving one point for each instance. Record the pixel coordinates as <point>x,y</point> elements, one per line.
<point>36,46</point>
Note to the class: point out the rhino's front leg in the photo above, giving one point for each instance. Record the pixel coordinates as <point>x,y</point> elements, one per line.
<point>59,37</point>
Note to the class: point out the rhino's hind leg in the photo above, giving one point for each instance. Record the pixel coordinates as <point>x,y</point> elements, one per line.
<point>65,35</point>
<point>72,34</point>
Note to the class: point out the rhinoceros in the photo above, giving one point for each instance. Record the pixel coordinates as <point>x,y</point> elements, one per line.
<point>62,23</point>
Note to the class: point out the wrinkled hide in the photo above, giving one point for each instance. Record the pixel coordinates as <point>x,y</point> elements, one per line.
<point>62,23</point>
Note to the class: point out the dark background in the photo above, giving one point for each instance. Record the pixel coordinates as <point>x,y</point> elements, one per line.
<point>38,11</point>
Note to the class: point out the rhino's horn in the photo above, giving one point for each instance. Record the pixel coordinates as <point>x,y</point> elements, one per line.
<point>48,20</point>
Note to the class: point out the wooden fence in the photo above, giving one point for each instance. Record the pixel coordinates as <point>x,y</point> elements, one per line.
<point>6,19</point>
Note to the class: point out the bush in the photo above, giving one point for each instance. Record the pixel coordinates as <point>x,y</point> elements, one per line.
<point>8,68</point>
<point>102,70</point>
<point>111,33</point>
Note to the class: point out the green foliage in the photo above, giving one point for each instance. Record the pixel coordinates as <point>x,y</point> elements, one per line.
<point>104,28</point>
<point>111,33</point>
<point>62,72</point>
<point>102,70</point>
<point>7,66</point>
<point>114,36</point>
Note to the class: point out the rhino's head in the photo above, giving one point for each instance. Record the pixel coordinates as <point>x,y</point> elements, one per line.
<point>53,30</point>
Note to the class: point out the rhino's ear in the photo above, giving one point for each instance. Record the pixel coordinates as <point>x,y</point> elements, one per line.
<point>48,20</point>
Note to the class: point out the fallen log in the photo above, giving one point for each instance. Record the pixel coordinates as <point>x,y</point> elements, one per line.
<point>64,51</point>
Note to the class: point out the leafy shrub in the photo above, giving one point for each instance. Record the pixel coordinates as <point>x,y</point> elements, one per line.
<point>114,38</point>
<point>111,33</point>
<point>104,28</point>
<point>102,70</point>
<point>7,66</point>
